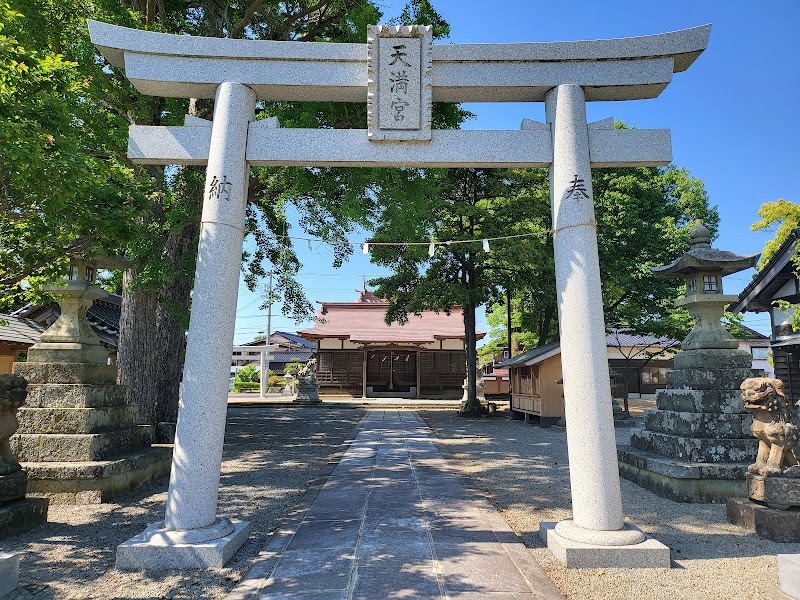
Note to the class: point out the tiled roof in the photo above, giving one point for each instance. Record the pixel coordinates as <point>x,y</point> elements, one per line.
<point>103,316</point>
<point>363,322</point>
<point>293,337</point>
<point>752,334</point>
<point>285,357</point>
<point>626,340</point>
<point>613,340</point>
<point>16,330</point>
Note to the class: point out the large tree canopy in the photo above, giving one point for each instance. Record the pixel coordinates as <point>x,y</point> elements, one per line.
<point>151,214</point>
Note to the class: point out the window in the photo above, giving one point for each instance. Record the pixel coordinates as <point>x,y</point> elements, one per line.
<point>692,285</point>
<point>90,273</point>
<point>237,353</point>
<point>654,375</point>
<point>759,353</point>
<point>710,283</point>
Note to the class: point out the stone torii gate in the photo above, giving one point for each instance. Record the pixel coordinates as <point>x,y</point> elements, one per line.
<point>399,73</point>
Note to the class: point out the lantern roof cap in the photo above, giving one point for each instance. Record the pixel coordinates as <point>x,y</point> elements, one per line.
<point>701,257</point>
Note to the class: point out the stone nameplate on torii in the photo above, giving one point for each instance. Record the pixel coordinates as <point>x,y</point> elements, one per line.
<point>399,74</point>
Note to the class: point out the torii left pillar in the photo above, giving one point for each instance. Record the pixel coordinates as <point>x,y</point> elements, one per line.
<point>191,535</point>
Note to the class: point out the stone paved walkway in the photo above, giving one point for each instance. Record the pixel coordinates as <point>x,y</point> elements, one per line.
<point>394,520</point>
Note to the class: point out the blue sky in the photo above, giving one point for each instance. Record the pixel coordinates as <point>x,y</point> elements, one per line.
<point>734,115</point>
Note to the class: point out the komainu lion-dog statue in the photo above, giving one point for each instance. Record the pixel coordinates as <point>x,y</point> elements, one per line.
<point>13,391</point>
<point>776,425</point>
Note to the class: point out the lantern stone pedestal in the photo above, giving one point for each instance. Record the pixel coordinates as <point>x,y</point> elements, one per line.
<point>697,443</point>
<point>77,439</point>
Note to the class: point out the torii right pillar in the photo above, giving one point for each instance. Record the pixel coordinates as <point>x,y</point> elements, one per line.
<point>597,534</point>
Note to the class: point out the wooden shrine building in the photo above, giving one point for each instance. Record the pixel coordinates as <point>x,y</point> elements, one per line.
<point>358,354</point>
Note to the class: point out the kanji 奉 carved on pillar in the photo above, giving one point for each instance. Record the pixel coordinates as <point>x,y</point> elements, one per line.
<point>776,425</point>
<point>13,391</point>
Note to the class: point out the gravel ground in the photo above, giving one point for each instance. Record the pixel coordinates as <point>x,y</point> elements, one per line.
<point>523,470</point>
<point>269,458</point>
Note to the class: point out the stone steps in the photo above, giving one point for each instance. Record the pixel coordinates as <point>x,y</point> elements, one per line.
<point>701,401</point>
<point>682,481</point>
<point>706,379</point>
<point>699,425</point>
<point>93,482</point>
<point>75,420</point>
<point>45,447</point>
<point>74,395</point>
<point>709,450</point>
<point>85,373</point>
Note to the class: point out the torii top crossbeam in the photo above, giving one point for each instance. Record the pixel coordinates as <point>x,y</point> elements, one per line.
<point>192,67</point>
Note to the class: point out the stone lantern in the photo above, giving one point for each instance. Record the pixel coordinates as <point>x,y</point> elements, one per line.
<point>696,445</point>
<point>703,268</point>
<point>70,339</point>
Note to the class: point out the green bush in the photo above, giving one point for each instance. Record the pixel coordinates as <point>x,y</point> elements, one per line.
<point>277,382</point>
<point>245,386</point>
<point>247,374</point>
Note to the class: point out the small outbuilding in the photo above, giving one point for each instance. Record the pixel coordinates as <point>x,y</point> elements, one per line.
<point>536,387</point>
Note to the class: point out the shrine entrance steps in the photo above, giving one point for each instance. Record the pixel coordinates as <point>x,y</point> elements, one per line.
<point>394,520</point>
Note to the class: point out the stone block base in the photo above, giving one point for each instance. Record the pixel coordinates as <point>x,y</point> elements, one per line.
<point>775,492</point>
<point>139,553</point>
<point>79,447</point>
<point>12,486</point>
<point>789,574</point>
<point>21,515</point>
<point>97,481</point>
<point>648,554</point>
<point>770,523</point>
<point>681,481</point>
<point>9,572</point>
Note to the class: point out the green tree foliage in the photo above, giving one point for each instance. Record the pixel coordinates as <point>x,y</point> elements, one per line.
<point>60,192</point>
<point>644,216</point>
<point>782,214</point>
<point>786,216</point>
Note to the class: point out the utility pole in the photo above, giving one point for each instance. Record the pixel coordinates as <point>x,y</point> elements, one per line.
<point>508,337</point>
<point>264,387</point>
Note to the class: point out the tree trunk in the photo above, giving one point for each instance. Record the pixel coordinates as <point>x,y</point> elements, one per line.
<point>137,353</point>
<point>472,408</point>
<point>544,329</point>
<point>172,316</point>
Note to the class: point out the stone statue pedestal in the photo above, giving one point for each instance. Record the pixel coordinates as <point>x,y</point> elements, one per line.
<point>9,572</point>
<point>772,509</point>
<point>18,513</point>
<point>307,393</point>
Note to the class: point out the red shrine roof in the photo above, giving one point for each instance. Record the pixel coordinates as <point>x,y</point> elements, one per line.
<point>362,322</point>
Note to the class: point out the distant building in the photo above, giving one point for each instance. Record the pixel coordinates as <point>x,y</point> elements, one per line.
<point>757,344</point>
<point>360,355</point>
<point>290,346</point>
<point>16,336</point>
<point>777,280</point>
<point>536,387</point>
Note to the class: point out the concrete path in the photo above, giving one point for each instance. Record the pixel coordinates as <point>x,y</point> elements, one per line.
<point>394,520</point>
